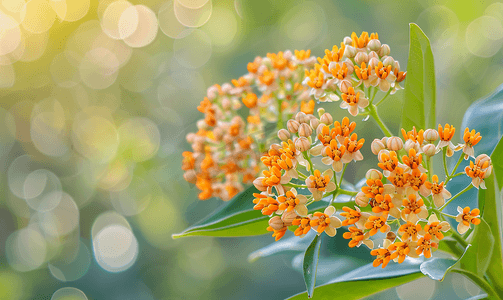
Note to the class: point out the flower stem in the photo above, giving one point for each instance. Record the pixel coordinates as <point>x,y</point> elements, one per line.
<point>457,195</point>
<point>385,96</point>
<point>375,115</point>
<point>306,156</point>
<point>300,186</point>
<point>444,158</point>
<point>279,125</point>
<point>342,175</point>
<point>455,168</point>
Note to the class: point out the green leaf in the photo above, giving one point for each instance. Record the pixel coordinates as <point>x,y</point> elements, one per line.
<point>420,87</point>
<point>437,268</point>
<point>362,282</point>
<point>492,294</point>
<point>497,161</point>
<point>310,264</point>
<point>450,245</point>
<point>238,218</point>
<point>478,258</point>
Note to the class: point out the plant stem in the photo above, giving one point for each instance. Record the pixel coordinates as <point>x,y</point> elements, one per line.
<point>301,175</point>
<point>444,158</point>
<point>279,125</point>
<point>306,156</point>
<point>344,192</point>
<point>300,186</point>
<point>457,195</point>
<point>430,167</point>
<point>342,175</point>
<point>385,96</point>
<point>455,168</point>
<point>375,115</point>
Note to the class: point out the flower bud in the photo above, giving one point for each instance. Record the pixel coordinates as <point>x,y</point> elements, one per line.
<point>450,151</point>
<point>410,144</point>
<point>385,50</point>
<point>481,159</point>
<point>321,111</point>
<point>376,146</point>
<point>430,135</point>
<point>350,51</point>
<point>288,216</point>
<point>191,137</point>
<point>305,130</point>
<point>319,129</point>
<point>361,200</point>
<point>202,125</point>
<point>301,117</point>
<point>302,144</point>
<point>397,67</point>
<point>384,140</point>
<point>283,134</point>
<point>373,62</point>
<point>373,174</point>
<point>218,133</point>
<point>314,122</point>
<point>374,45</point>
<point>226,103</point>
<point>345,85</point>
<point>391,236</point>
<point>389,61</point>
<point>361,57</point>
<point>373,54</point>
<point>190,176</point>
<point>276,223</point>
<point>259,185</point>
<point>429,149</point>
<point>326,119</point>
<point>293,126</point>
<point>348,41</point>
<point>394,143</point>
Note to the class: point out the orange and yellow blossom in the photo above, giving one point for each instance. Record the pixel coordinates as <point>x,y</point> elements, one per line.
<point>414,209</point>
<point>304,226</point>
<point>471,139</point>
<point>357,237</point>
<point>409,231</point>
<point>383,255</point>
<point>435,228</point>
<point>318,183</point>
<point>466,218</point>
<point>425,245</point>
<point>479,170</point>
<point>440,193</point>
<point>292,201</point>
<point>325,221</point>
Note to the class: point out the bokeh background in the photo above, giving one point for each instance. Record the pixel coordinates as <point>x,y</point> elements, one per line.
<point>96,98</point>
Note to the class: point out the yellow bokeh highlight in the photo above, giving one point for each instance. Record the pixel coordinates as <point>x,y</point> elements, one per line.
<point>158,221</point>
<point>38,16</point>
<point>11,286</point>
<point>70,10</point>
<point>222,27</point>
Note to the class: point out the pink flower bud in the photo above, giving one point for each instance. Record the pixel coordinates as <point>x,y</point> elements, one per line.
<point>394,143</point>
<point>305,130</point>
<point>429,149</point>
<point>276,223</point>
<point>259,185</point>
<point>326,119</point>
<point>283,134</point>
<point>301,117</point>
<point>347,40</point>
<point>389,61</point>
<point>361,57</point>
<point>430,135</point>
<point>288,216</point>
<point>302,144</point>
<point>314,122</point>
<point>376,146</point>
<point>373,54</point>
<point>373,174</point>
<point>374,45</point>
<point>293,126</point>
<point>481,160</point>
<point>190,176</point>
<point>361,200</point>
<point>385,50</point>
<point>410,144</point>
<point>350,51</point>
<point>345,85</point>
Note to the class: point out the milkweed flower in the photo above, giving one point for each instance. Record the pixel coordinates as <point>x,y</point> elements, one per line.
<point>383,255</point>
<point>414,209</point>
<point>292,201</point>
<point>325,221</point>
<point>440,193</point>
<point>401,250</point>
<point>479,170</point>
<point>471,139</point>
<point>425,245</point>
<point>466,218</point>
<point>358,237</point>
<point>409,231</point>
<point>319,183</point>
<point>304,226</point>
<point>435,228</point>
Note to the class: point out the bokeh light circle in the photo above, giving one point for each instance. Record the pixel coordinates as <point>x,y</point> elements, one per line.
<point>26,250</point>
<point>146,30</point>
<point>63,72</point>
<point>62,220</point>
<point>10,34</point>
<point>14,6</point>
<point>194,4</point>
<point>133,199</point>
<point>190,17</point>
<point>115,248</point>
<point>484,36</point>
<point>69,293</point>
<point>42,190</point>
<point>168,23</point>
<point>138,74</point>
<point>38,16</point>
<point>194,49</point>
<point>106,219</point>
<point>75,269</point>
<point>99,68</point>
<point>70,10</point>
<point>17,173</point>
<point>96,138</point>
<point>222,28</point>
<point>7,76</point>
<point>139,138</point>
<point>7,132</point>
<point>34,46</point>
<point>112,15</point>
<point>439,23</point>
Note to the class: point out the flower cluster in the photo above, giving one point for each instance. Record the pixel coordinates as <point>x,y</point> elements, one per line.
<point>404,192</point>
<point>226,147</point>
<point>307,137</point>
<point>360,63</point>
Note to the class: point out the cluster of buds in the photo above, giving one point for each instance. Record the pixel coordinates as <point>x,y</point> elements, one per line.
<point>402,193</point>
<point>360,62</point>
<point>290,163</point>
<point>227,146</point>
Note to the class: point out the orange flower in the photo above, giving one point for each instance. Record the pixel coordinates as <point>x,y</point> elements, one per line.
<point>424,245</point>
<point>292,201</point>
<point>363,40</point>
<point>333,155</point>
<point>383,255</point>
<point>250,100</point>
<point>277,234</point>
<point>440,193</point>
<point>401,250</point>
<point>354,217</point>
<point>471,139</point>
<point>399,179</point>
<point>325,221</point>
<point>307,107</point>
<point>466,218</point>
<point>416,136</point>
<point>376,224</point>
<point>189,161</point>
<point>353,100</point>
<point>388,161</point>
<point>267,205</point>
<point>413,209</point>
<point>304,226</point>
<point>319,183</point>
<point>409,231</point>
<point>357,237</point>
<point>344,129</point>
<point>435,228</point>
<point>353,146</point>
<point>326,135</point>
<point>413,161</point>
<point>480,170</point>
